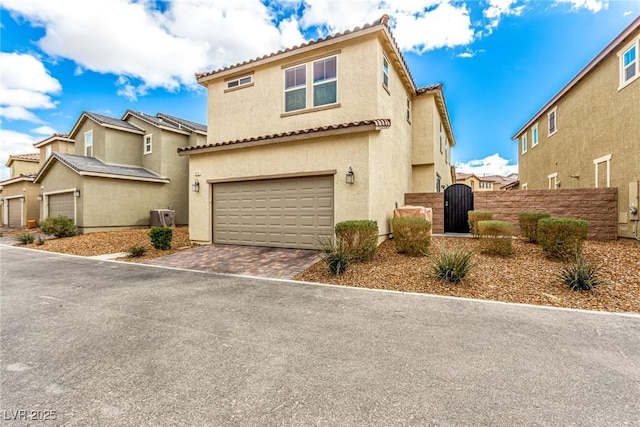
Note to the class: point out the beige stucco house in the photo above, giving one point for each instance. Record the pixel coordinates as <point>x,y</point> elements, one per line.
<point>19,194</point>
<point>486,182</point>
<point>303,138</point>
<point>113,172</point>
<point>588,134</point>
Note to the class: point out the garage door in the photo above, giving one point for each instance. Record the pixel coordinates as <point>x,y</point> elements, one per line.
<point>62,204</point>
<point>15,212</point>
<point>289,212</point>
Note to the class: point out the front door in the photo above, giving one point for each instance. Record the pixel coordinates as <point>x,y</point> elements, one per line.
<point>458,201</point>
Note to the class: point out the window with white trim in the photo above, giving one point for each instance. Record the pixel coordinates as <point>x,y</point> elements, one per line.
<point>551,120</point>
<point>239,82</point>
<point>607,170</point>
<point>325,81</point>
<point>553,181</point>
<point>488,185</point>
<point>148,144</point>
<point>88,143</point>
<point>441,137</point>
<point>408,110</point>
<point>438,183</point>
<point>47,151</point>
<point>629,63</point>
<point>385,72</point>
<point>534,135</point>
<point>481,184</point>
<point>295,88</point>
<point>524,143</point>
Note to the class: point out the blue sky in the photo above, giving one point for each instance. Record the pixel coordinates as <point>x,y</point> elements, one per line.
<point>499,60</point>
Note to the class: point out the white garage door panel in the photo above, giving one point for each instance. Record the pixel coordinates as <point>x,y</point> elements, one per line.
<point>15,212</point>
<point>289,212</point>
<point>62,204</point>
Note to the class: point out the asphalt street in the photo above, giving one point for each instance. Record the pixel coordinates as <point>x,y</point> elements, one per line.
<point>86,342</point>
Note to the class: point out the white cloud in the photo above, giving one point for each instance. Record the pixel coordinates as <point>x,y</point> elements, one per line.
<point>499,8</point>
<point>12,142</point>
<point>44,130</point>
<point>490,165</point>
<point>592,5</point>
<point>25,84</point>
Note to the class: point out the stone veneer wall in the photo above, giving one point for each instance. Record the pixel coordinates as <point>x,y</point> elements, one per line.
<point>599,206</point>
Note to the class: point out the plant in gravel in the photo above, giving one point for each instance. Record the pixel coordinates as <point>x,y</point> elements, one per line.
<point>360,237</point>
<point>452,266</point>
<point>562,238</point>
<point>161,237</point>
<point>529,224</point>
<point>59,226</point>
<point>137,251</point>
<point>411,236</point>
<point>579,275</point>
<point>40,241</point>
<point>495,237</point>
<point>475,217</point>
<point>25,238</point>
<point>336,253</point>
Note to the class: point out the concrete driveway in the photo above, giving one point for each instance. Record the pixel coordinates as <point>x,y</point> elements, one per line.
<point>112,344</point>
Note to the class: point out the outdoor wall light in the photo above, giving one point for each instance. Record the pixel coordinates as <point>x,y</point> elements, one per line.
<point>195,187</point>
<point>39,197</point>
<point>77,192</point>
<point>22,199</point>
<point>350,178</point>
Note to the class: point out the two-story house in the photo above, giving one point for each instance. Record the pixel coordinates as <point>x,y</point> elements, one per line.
<point>485,182</point>
<point>19,193</point>
<point>112,172</point>
<point>309,136</point>
<point>588,134</point>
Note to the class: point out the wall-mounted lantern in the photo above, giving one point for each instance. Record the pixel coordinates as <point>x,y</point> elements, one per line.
<point>195,187</point>
<point>350,177</point>
<point>77,192</point>
<point>39,197</point>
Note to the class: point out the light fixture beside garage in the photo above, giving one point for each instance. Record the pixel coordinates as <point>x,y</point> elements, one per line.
<point>76,192</point>
<point>195,187</point>
<point>39,197</point>
<point>350,176</point>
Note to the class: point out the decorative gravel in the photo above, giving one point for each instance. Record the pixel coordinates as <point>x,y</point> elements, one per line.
<point>526,276</point>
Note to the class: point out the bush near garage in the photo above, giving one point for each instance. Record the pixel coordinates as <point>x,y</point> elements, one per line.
<point>529,224</point>
<point>475,217</point>
<point>562,238</point>
<point>335,253</point>
<point>359,238</point>
<point>59,226</point>
<point>496,237</point>
<point>411,236</point>
<point>161,237</point>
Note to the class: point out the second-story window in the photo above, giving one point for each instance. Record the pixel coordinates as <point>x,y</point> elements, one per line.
<point>325,81</point>
<point>441,138</point>
<point>148,144</point>
<point>295,88</point>
<point>524,143</point>
<point>88,143</point>
<point>241,81</point>
<point>47,151</point>
<point>552,122</point>
<point>630,64</point>
<point>534,135</point>
<point>385,72</point>
<point>408,110</point>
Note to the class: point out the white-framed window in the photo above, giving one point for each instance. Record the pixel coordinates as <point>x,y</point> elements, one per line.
<point>148,144</point>
<point>525,186</point>
<point>385,72</point>
<point>408,110</point>
<point>11,171</point>
<point>325,81</point>
<point>473,184</point>
<point>441,138</point>
<point>525,143</point>
<point>534,136</point>
<point>88,143</point>
<point>552,117</point>
<point>47,151</point>
<point>438,183</point>
<point>488,185</point>
<point>239,82</point>
<point>553,181</point>
<point>295,88</point>
<point>481,184</point>
<point>607,170</point>
<point>629,63</point>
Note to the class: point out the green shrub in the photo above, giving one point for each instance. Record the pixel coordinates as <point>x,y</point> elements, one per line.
<point>336,253</point>
<point>59,226</point>
<point>137,251</point>
<point>360,238</point>
<point>40,241</point>
<point>579,275</point>
<point>475,217</point>
<point>495,237</point>
<point>562,238</point>
<point>25,238</point>
<point>529,224</point>
<point>161,237</point>
<point>411,236</point>
<point>452,266</point>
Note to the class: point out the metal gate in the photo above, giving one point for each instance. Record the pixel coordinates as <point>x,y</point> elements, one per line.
<point>458,201</point>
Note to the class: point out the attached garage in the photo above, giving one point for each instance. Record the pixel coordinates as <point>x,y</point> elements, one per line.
<point>15,212</point>
<point>284,212</point>
<point>62,204</point>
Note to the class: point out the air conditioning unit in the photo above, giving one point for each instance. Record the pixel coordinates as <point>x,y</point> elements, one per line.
<point>162,218</point>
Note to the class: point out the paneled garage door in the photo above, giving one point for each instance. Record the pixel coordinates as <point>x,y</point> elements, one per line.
<point>15,212</point>
<point>288,212</point>
<point>62,204</point>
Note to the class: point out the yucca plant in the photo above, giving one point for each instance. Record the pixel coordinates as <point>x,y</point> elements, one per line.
<point>336,253</point>
<point>452,266</point>
<point>579,275</point>
<point>25,238</point>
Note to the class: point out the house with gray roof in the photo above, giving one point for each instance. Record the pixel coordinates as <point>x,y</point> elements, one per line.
<point>113,172</point>
<point>19,202</point>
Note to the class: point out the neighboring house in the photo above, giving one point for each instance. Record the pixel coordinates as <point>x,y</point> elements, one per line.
<point>306,137</point>
<point>588,134</point>
<point>19,194</point>
<point>57,143</point>
<point>113,172</point>
<point>487,182</point>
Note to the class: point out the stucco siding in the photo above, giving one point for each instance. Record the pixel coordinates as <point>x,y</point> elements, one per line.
<point>123,148</point>
<point>59,178</point>
<point>23,167</point>
<point>31,204</point>
<point>177,169</point>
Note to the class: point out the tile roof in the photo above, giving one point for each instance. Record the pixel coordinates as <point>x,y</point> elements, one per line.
<point>106,120</point>
<point>429,88</point>
<point>156,121</point>
<point>188,124</point>
<point>31,157</point>
<point>92,165</point>
<point>19,178</point>
<point>379,123</point>
<point>63,136</point>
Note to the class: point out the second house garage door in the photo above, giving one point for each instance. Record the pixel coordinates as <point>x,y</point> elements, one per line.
<point>62,204</point>
<point>15,212</point>
<point>288,212</point>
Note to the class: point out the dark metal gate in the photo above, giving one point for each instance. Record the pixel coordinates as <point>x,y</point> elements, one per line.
<point>458,201</point>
